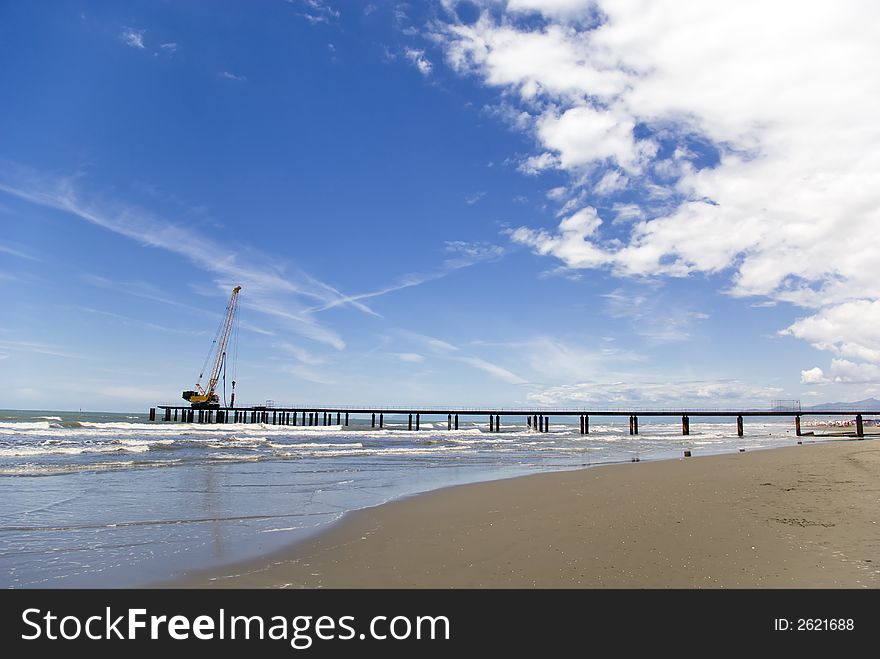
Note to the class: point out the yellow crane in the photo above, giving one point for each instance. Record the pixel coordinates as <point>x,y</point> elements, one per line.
<point>205,396</point>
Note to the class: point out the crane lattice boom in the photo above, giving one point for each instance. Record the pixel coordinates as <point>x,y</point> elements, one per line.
<point>205,396</point>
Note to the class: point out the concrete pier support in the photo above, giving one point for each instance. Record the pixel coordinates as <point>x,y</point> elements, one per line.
<point>860,427</point>
<point>586,424</point>
<point>739,426</point>
<point>456,421</point>
<point>373,420</point>
<point>346,419</point>
<point>167,416</point>
<point>339,419</point>
<point>582,424</point>
<point>497,423</point>
<point>310,419</point>
<point>449,422</point>
<point>409,427</point>
<point>635,424</point>
<point>685,425</point>
<point>546,424</point>
<point>491,423</point>
<point>190,414</point>
<point>529,422</point>
<point>381,419</point>
<point>632,430</point>
<point>797,426</point>
<point>418,420</point>
<point>153,413</point>
<point>175,415</point>
<point>274,418</point>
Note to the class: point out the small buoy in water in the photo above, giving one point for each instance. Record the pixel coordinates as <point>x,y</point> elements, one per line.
<point>687,454</point>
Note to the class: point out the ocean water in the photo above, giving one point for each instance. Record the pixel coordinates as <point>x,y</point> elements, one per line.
<point>113,500</point>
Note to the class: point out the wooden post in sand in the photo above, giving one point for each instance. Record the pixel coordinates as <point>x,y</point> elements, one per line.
<point>860,427</point>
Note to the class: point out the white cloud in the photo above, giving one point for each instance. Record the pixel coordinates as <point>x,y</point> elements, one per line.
<point>232,76</point>
<point>411,357</point>
<point>301,354</point>
<point>534,165</point>
<point>170,47</point>
<point>134,38</point>
<point>492,369</point>
<point>690,392</point>
<point>473,198</point>
<point>316,11</point>
<point>418,59</point>
<point>5,249</point>
<point>557,194</point>
<point>267,289</point>
<point>785,96</point>
<point>813,376</point>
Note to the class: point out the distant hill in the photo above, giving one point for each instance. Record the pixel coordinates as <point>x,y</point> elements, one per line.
<point>871,404</point>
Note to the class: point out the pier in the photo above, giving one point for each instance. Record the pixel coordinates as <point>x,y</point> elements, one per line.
<point>537,420</point>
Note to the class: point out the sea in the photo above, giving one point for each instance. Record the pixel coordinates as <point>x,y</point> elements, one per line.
<point>107,500</point>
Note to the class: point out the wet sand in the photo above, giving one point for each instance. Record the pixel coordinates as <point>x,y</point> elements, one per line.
<point>798,517</point>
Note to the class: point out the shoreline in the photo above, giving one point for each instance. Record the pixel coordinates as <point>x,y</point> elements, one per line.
<point>793,517</point>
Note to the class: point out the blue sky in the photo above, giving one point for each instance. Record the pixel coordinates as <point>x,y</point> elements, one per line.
<point>502,202</point>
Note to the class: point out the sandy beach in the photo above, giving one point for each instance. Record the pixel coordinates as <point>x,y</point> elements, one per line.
<point>797,517</point>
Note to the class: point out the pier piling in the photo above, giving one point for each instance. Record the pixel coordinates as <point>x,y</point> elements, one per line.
<point>153,413</point>
<point>381,420</point>
<point>491,423</point>
<point>373,421</point>
<point>797,426</point>
<point>167,415</point>
<point>409,427</point>
<point>417,421</point>
<point>497,423</point>
<point>860,427</point>
<point>449,422</point>
<point>456,421</point>
<point>586,424</point>
<point>739,426</point>
<point>685,425</point>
